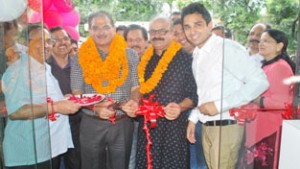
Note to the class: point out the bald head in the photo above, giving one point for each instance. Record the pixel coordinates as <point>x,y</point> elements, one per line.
<point>159,19</point>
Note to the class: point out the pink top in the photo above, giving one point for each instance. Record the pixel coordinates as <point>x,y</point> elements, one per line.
<point>266,123</point>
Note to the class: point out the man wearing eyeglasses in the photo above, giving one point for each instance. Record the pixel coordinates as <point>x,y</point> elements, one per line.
<point>60,62</point>
<point>28,142</point>
<point>104,65</point>
<point>175,90</point>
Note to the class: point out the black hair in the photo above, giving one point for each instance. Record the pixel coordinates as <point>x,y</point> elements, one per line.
<point>57,28</point>
<point>121,28</point>
<point>9,25</point>
<point>136,27</point>
<point>74,41</point>
<point>227,32</point>
<point>281,37</point>
<point>176,13</point>
<point>100,14</point>
<point>198,9</point>
<point>177,22</point>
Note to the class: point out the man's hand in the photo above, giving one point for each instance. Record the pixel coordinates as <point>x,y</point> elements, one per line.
<point>130,108</point>
<point>172,111</point>
<point>190,133</point>
<point>65,107</point>
<point>12,55</point>
<point>104,110</point>
<point>208,108</point>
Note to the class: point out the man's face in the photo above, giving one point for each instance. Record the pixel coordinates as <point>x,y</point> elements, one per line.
<point>160,34</point>
<point>62,43</point>
<point>196,29</point>
<point>136,41</point>
<point>39,48</point>
<point>254,37</point>
<point>102,31</point>
<point>74,49</point>
<point>10,37</point>
<point>180,37</point>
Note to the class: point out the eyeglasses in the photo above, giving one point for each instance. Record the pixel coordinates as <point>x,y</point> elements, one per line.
<point>104,28</point>
<point>60,39</point>
<point>159,32</point>
<point>48,41</point>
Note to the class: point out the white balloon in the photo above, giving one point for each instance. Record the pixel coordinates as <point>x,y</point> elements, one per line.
<point>11,9</point>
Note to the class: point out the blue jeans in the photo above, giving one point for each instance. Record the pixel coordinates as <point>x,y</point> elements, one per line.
<point>133,148</point>
<point>197,160</point>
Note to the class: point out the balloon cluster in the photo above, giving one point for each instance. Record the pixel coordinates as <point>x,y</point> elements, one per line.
<point>56,13</point>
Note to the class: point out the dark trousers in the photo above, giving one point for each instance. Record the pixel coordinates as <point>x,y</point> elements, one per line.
<point>50,164</point>
<point>72,159</point>
<point>104,145</point>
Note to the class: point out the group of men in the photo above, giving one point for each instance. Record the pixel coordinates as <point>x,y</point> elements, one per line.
<point>190,69</point>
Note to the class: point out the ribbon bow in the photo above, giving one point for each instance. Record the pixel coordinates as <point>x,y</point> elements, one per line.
<point>151,110</point>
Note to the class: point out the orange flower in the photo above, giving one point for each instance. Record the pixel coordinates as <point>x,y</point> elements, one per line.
<point>105,76</point>
<point>162,66</point>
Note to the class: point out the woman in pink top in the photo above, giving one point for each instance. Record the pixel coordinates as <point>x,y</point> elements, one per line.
<point>264,132</point>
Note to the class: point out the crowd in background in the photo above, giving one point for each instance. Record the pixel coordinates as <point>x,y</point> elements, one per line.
<point>195,68</point>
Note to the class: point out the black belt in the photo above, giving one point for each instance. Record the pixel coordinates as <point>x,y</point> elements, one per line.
<point>220,123</point>
<point>117,118</point>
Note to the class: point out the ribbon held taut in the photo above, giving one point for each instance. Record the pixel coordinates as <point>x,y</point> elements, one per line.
<point>246,114</point>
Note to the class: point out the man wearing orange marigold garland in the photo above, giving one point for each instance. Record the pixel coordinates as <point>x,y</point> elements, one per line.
<point>165,70</point>
<point>104,65</point>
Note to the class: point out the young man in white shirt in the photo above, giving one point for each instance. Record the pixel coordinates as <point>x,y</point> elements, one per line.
<point>226,78</point>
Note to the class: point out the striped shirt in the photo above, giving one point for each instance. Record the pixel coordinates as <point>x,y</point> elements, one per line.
<point>122,93</point>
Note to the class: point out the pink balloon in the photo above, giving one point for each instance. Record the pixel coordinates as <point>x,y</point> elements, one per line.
<point>52,19</point>
<point>64,5</point>
<point>70,18</point>
<point>36,4</point>
<point>52,7</point>
<point>35,17</point>
<point>46,4</point>
<point>72,32</point>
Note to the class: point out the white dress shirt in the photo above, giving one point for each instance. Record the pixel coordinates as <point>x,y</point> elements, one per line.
<point>225,75</point>
<point>257,58</point>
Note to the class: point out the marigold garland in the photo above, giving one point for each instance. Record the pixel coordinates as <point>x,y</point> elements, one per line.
<point>105,76</point>
<point>162,66</point>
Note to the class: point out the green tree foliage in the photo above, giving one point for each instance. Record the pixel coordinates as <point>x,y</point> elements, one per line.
<point>136,10</point>
<point>237,15</point>
<point>282,15</point>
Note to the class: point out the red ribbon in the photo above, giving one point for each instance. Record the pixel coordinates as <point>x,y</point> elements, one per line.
<point>4,111</point>
<point>246,114</point>
<point>51,116</point>
<point>151,110</point>
<point>112,118</point>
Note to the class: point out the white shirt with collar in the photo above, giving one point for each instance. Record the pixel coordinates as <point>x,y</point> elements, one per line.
<point>226,76</point>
